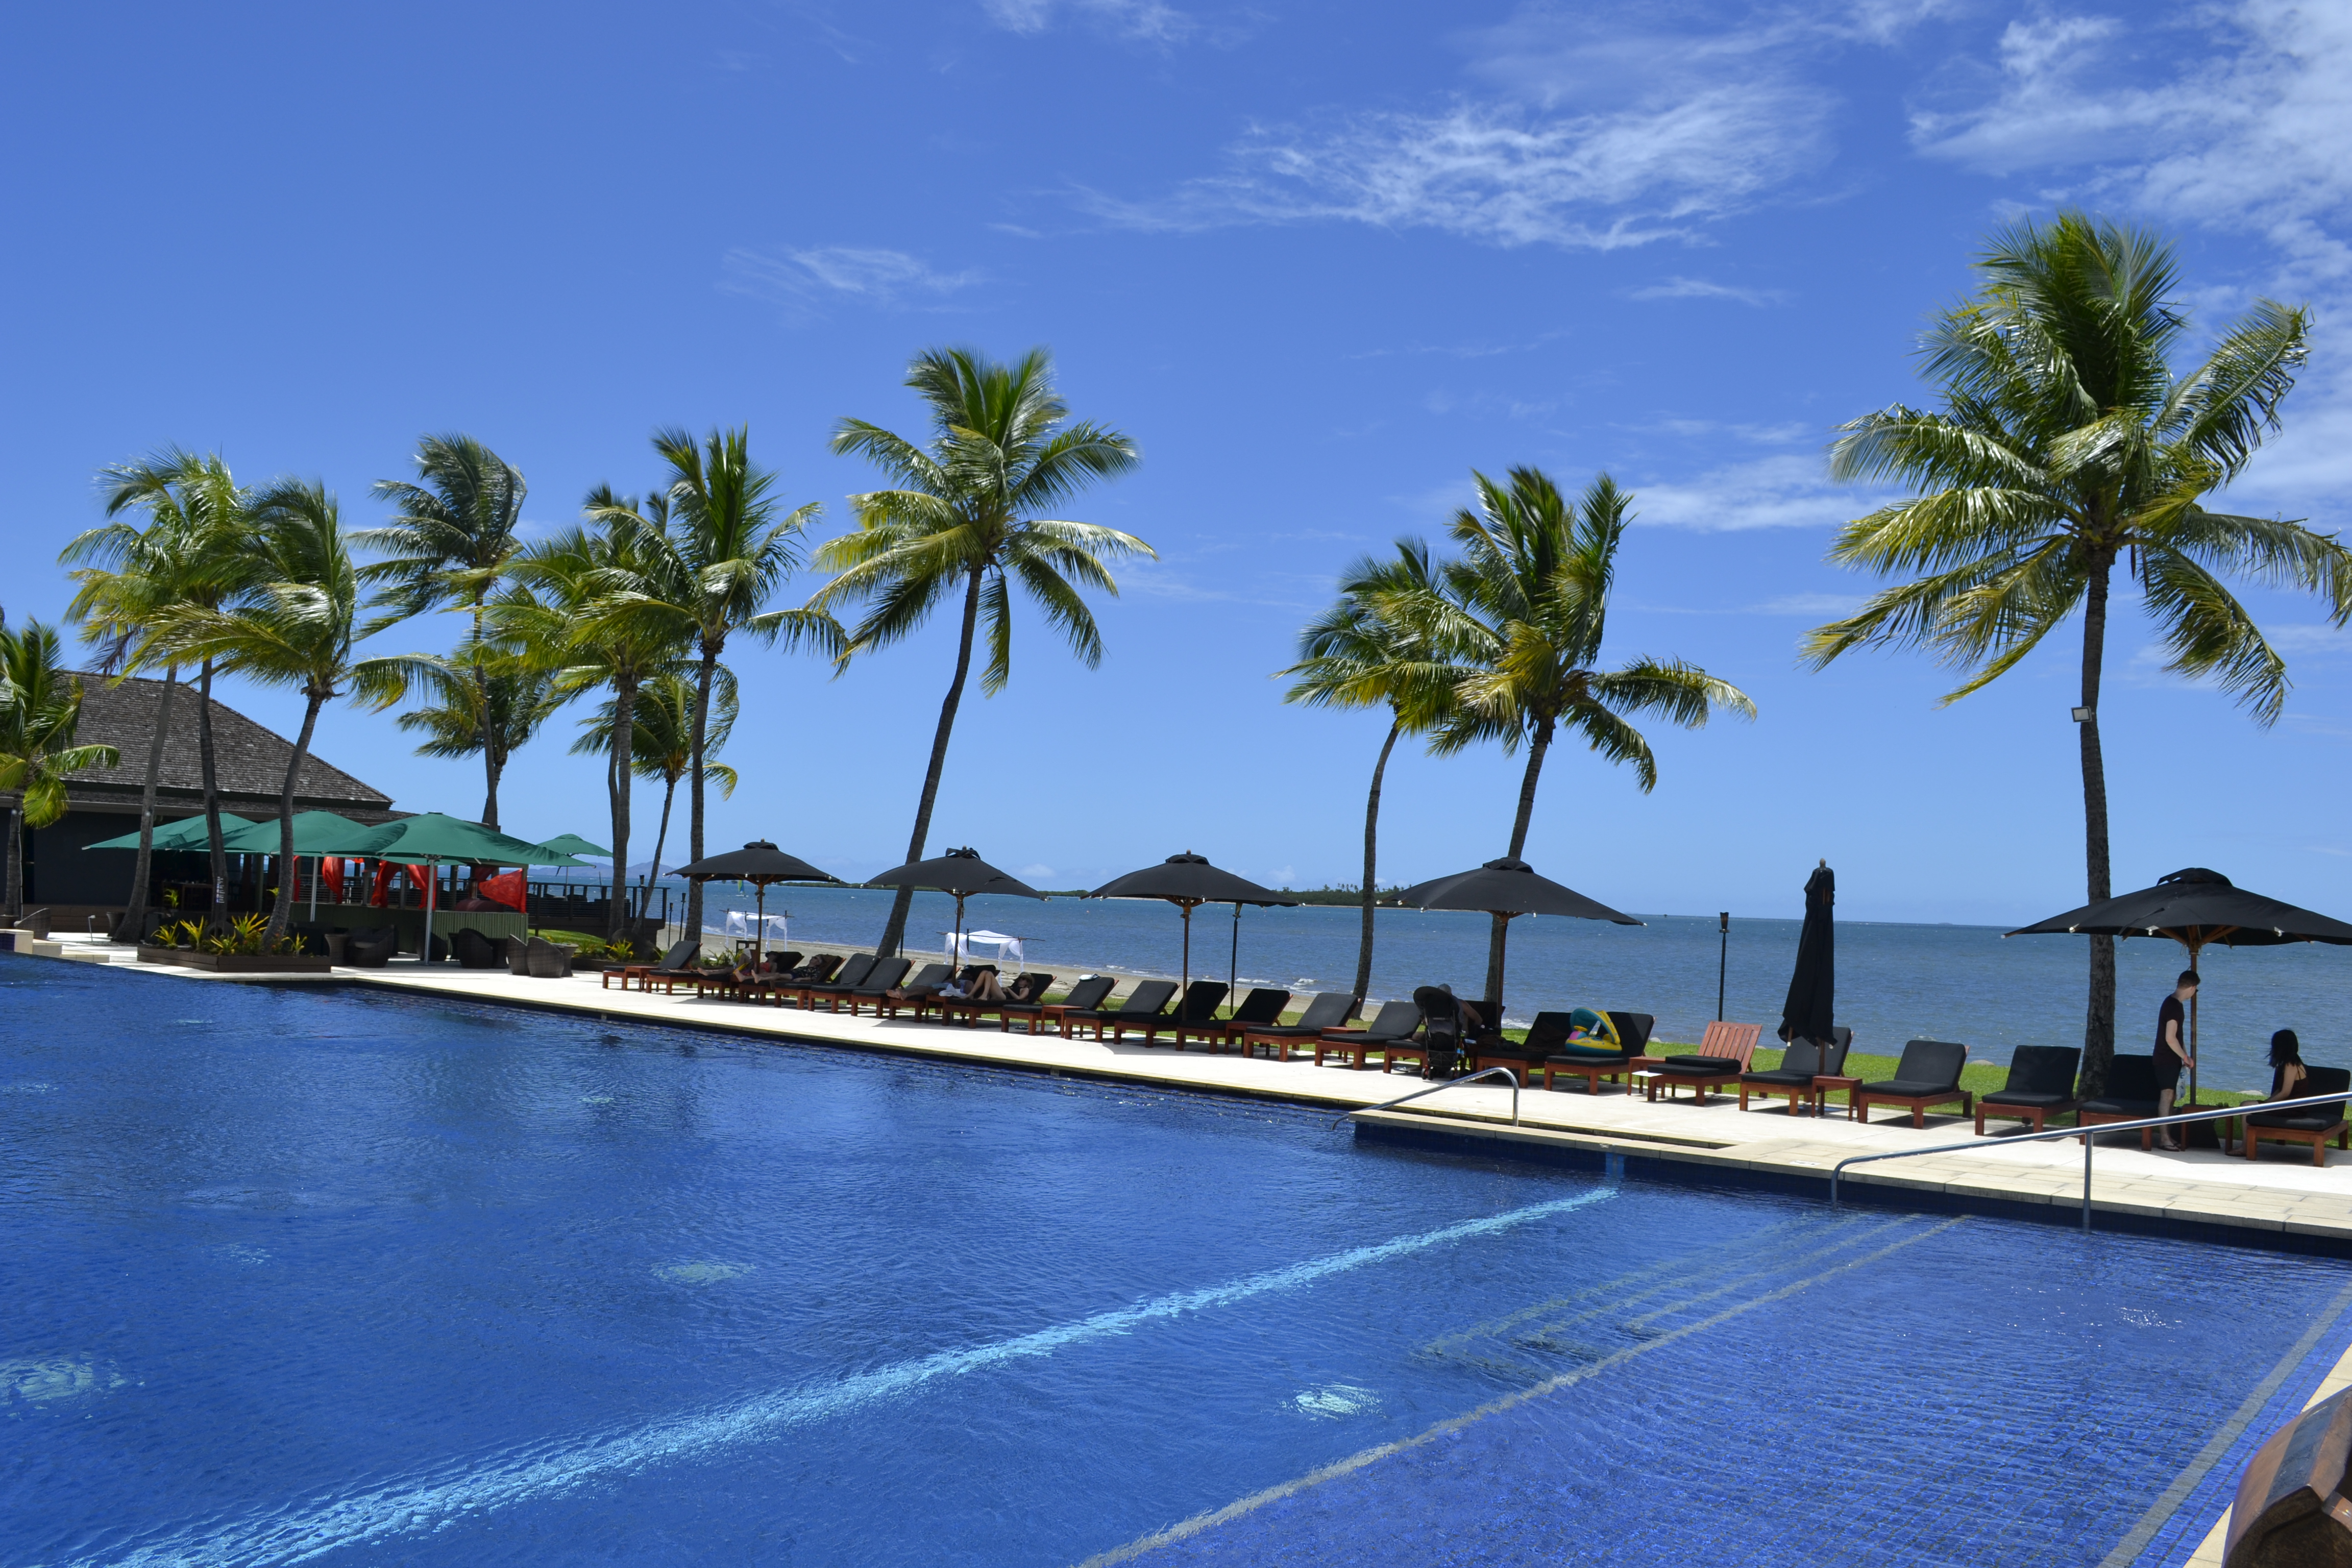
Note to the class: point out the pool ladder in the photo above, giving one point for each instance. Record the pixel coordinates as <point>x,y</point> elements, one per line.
<point>1449,1083</point>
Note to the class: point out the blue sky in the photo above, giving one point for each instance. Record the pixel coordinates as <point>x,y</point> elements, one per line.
<point>1320,260</point>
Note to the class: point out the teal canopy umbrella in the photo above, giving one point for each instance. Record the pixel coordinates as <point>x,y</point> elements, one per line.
<point>188,833</point>
<point>433,839</point>
<point>316,834</point>
<point>573,844</point>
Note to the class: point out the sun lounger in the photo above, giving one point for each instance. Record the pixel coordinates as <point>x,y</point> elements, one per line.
<point>1327,1011</point>
<point>1393,1026</point>
<point>680,956</point>
<point>1199,1006</point>
<point>1802,1062</point>
<point>1928,1073</point>
<point>1031,985</point>
<point>743,981</point>
<point>2129,1096</point>
<point>2040,1085</point>
<point>1148,997</point>
<point>888,974</point>
<point>1725,1052</point>
<point>1084,997</point>
<point>814,972</point>
<point>848,978</point>
<point>2313,1124</point>
<point>1264,1005</point>
<point>922,993</point>
<point>1581,1059</point>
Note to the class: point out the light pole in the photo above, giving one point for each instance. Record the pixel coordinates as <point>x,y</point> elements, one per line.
<point>1723,961</point>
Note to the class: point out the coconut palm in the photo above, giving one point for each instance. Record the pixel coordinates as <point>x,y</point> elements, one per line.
<point>40,706</point>
<point>486,699</point>
<point>1354,655</point>
<point>664,738</point>
<point>1523,616</point>
<point>295,625</point>
<point>447,542</point>
<point>2067,443</point>
<point>718,554</point>
<point>971,514</point>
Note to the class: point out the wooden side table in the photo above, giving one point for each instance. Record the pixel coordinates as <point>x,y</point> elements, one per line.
<point>1824,1085</point>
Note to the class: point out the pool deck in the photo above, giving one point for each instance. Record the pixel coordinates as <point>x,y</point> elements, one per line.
<point>2281,1192</point>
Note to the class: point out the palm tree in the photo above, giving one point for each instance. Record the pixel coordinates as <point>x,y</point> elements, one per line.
<point>198,504</point>
<point>2067,443</point>
<point>1523,616</point>
<point>448,542</point>
<point>971,514</point>
<point>294,626</point>
<point>486,699</point>
<point>39,708</point>
<point>1354,655</point>
<point>720,554</point>
<point>664,738</point>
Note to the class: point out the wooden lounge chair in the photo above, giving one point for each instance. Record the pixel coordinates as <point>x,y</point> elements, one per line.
<point>883,977</point>
<point>1725,1053</point>
<point>2129,1096</point>
<point>1802,1062</point>
<point>1264,1005</point>
<point>1327,1011</point>
<point>2040,1085</point>
<point>1032,986</point>
<point>814,972</point>
<point>1394,1025</point>
<point>1577,1059</point>
<point>1148,997</point>
<point>742,980</point>
<point>680,956</point>
<point>1084,997</point>
<point>921,993</point>
<point>2313,1124</point>
<point>1928,1073</point>
<point>848,978</point>
<point>1199,1006</point>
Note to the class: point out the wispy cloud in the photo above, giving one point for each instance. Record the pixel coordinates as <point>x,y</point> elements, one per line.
<point>2309,639</point>
<point>801,281</point>
<point>1831,605</point>
<point>1700,288</point>
<point>1151,20</point>
<point>1788,491</point>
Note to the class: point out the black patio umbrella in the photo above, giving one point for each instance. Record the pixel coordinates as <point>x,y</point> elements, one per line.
<point>2198,909</point>
<point>1508,888</point>
<point>958,871</point>
<point>1187,881</point>
<point>758,863</point>
<point>1812,989</point>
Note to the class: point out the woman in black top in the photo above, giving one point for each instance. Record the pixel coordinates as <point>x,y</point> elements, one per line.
<point>2287,1071</point>
<point>2171,1051</point>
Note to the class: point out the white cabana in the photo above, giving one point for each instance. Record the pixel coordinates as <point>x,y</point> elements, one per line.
<point>736,924</point>
<point>960,945</point>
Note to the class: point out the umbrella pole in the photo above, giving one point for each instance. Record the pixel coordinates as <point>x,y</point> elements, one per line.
<point>2194,949</point>
<point>432,886</point>
<point>759,936</point>
<point>317,865</point>
<point>955,937</point>
<point>1187,909</point>
<point>1234,973</point>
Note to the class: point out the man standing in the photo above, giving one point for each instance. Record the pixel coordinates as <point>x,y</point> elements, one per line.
<point>2172,1052</point>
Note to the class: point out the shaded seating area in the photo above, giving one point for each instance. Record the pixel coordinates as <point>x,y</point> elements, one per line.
<point>1262,1006</point>
<point>1725,1052</point>
<point>1150,998</point>
<point>1928,1073</point>
<point>2040,1084</point>
<point>2316,1125</point>
<point>475,951</point>
<point>1801,1064</point>
<point>1325,1011</point>
<point>2129,1096</point>
<point>680,955</point>
<point>1565,1058</point>
<point>1394,1025</point>
<point>1198,1006</point>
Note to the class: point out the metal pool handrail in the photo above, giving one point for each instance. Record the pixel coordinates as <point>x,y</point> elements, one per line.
<point>2089,1135</point>
<point>1449,1083</point>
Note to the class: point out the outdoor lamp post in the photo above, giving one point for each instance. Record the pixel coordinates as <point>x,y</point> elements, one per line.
<point>1723,960</point>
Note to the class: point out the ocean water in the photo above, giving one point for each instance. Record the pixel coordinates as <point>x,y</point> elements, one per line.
<point>1895,982</point>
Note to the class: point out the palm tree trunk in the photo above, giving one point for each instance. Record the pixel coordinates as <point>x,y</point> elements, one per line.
<point>493,764</point>
<point>653,872</point>
<point>1371,848</point>
<point>219,915</point>
<point>1537,745</point>
<point>625,750</point>
<point>281,910</point>
<point>492,767</point>
<point>135,916</point>
<point>694,800</point>
<point>897,928</point>
<point>16,859</point>
<point>2099,1023</point>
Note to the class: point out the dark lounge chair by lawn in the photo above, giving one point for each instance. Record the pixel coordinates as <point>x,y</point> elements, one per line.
<point>921,993</point>
<point>848,978</point>
<point>1587,1061</point>
<point>2313,1124</point>
<point>1264,1005</point>
<point>812,972</point>
<point>888,974</point>
<point>743,981</point>
<point>2040,1085</point>
<point>1802,1062</point>
<point>1084,997</point>
<point>1725,1053</point>
<point>2129,1096</point>
<point>1148,998</point>
<point>680,956</point>
<point>1199,1006</point>
<point>1394,1025</point>
<point>1928,1073</point>
<point>1022,994</point>
<point>1327,1011</point>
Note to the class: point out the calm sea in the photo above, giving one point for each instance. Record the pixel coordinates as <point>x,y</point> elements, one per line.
<point>1894,981</point>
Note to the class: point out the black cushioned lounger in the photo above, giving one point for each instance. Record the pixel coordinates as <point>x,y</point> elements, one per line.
<point>1149,996</point>
<point>1928,1073</point>
<point>1394,1025</point>
<point>1199,1006</point>
<point>2040,1084</point>
<point>848,978</point>
<point>1264,1005</point>
<point>1327,1011</point>
<point>1084,997</point>
<point>2129,1096</point>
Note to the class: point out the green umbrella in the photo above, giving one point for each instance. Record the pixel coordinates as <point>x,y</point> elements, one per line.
<point>316,833</point>
<point>573,844</point>
<point>188,833</point>
<point>434,838</point>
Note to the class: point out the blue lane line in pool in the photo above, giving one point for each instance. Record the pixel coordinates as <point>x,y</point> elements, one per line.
<point>426,1502</point>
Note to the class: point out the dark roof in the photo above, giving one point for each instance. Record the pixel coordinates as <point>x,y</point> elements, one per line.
<point>250,761</point>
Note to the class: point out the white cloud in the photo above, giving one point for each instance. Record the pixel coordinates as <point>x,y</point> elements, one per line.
<point>1788,491</point>
<point>1810,605</point>
<point>1147,20</point>
<point>799,280</point>
<point>1700,288</point>
<point>2295,637</point>
<point>1035,873</point>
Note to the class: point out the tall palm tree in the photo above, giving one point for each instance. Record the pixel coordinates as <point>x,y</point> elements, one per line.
<point>486,699</point>
<point>2067,443</point>
<point>710,572</point>
<point>664,738</point>
<point>295,626</point>
<point>39,708</point>
<point>447,542</point>
<point>1354,655</point>
<point>971,514</point>
<point>195,499</point>
<point>1523,616</point>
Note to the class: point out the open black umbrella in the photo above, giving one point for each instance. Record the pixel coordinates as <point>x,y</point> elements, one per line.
<point>1187,881</point>
<point>758,863</point>
<point>1508,888</point>
<point>958,871</point>
<point>1812,989</point>
<point>2198,909</point>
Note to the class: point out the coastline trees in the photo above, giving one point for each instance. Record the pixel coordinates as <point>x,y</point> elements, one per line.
<point>39,710</point>
<point>2067,443</point>
<point>969,514</point>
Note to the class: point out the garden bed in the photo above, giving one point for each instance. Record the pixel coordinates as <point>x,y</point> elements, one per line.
<point>253,963</point>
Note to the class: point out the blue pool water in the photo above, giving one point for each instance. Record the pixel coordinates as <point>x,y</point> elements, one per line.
<point>346,1279</point>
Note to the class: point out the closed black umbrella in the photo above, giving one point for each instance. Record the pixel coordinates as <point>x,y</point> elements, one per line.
<point>1508,888</point>
<point>2198,909</point>
<point>758,863</point>
<point>958,871</point>
<point>1187,881</point>
<point>1812,989</point>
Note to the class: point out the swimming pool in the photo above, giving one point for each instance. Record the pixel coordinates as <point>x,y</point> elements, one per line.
<point>350,1278</point>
